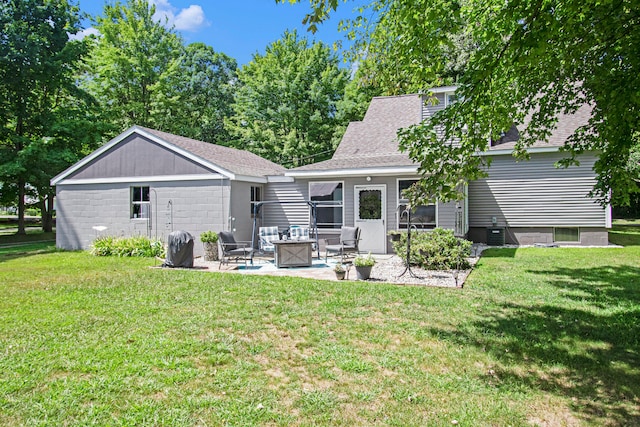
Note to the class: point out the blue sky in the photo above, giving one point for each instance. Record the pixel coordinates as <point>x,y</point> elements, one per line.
<point>238,28</point>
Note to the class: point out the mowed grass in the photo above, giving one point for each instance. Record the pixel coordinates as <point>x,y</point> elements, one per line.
<point>538,336</point>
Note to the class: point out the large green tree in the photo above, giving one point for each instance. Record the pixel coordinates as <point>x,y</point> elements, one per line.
<point>205,94</point>
<point>285,104</point>
<point>134,66</point>
<point>528,62</point>
<point>37,85</point>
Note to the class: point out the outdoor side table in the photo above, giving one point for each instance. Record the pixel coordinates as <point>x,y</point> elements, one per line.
<point>293,253</point>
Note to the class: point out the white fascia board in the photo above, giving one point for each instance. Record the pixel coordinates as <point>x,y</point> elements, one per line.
<point>138,179</point>
<point>280,178</point>
<point>124,135</point>
<point>443,89</point>
<point>247,178</point>
<point>531,150</point>
<point>337,173</point>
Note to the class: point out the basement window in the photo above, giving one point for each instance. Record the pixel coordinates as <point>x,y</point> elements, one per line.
<point>140,205</point>
<point>566,234</point>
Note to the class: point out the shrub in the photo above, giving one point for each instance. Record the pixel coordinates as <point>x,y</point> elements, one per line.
<point>138,246</point>
<point>364,261</point>
<point>209,236</point>
<point>437,249</point>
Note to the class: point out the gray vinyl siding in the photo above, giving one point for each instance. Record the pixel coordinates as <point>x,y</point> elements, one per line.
<point>137,156</point>
<point>193,206</point>
<point>534,194</point>
<point>447,215</point>
<point>430,107</point>
<point>240,204</point>
<point>289,214</point>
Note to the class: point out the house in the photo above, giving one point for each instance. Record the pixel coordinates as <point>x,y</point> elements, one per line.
<point>150,182</point>
<point>147,182</point>
<point>525,202</point>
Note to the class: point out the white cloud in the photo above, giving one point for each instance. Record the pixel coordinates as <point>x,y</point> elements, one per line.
<point>84,33</point>
<point>188,19</point>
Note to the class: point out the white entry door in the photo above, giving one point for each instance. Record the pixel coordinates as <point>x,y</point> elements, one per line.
<point>370,215</point>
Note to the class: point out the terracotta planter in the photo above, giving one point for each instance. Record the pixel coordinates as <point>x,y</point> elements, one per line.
<point>211,251</point>
<point>363,273</point>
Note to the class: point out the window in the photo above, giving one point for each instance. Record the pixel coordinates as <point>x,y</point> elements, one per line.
<point>256,196</point>
<point>329,196</point>
<point>140,205</point>
<point>566,234</point>
<point>450,98</point>
<point>423,216</point>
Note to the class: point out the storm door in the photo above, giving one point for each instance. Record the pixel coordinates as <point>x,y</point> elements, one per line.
<point>370,216</point>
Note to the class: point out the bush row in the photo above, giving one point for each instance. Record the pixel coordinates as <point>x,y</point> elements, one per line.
<point>140,246</point>
<point>437,249</point>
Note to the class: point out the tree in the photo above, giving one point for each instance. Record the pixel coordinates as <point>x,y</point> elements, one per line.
<point>134,66</point>
<point>528,63</point>
<point>285,103</point>
<point>37,66</point>
<point>205,89</point>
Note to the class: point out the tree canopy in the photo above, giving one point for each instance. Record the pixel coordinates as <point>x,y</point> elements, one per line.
<point>39,101</point>
<point>286,102</point>
<point>134,66</point>
<point>517,61</point>
<point>205,90</point>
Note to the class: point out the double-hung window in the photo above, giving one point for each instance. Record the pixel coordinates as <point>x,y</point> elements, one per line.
<point>423,216</point>
<point>140,205</point>
<point>329,196</point>
<point>256,196</point>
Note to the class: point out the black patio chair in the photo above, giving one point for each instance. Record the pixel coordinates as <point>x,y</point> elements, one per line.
<point>348,245</point>
<point>230,248</point>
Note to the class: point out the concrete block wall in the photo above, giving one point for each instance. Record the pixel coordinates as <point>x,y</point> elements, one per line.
<point>193,206</point>
<point>589,236</point>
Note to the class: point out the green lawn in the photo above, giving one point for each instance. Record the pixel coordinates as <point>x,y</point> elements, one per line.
<point>546,336</point>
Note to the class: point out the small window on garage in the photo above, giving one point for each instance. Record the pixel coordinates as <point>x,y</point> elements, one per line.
<point>566,234</point>
<point>140,202</point>
<point>256,196</point>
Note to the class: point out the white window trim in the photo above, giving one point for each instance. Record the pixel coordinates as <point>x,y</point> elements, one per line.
<point>253,202</point>
<point>399,199</point>
<point>140,203</point>
<point>446,98</point>
<point>343,200</point>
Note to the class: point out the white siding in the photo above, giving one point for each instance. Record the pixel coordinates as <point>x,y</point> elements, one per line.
<point>534,193</point>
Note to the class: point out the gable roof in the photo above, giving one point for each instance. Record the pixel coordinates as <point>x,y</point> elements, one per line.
<point>566,125</point>
<point>226,161</point>
<point>372,143</point>
<point>238,162</point>
<point>371,146</point>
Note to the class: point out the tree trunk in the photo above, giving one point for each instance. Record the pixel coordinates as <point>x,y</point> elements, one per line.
<point>46,208</point>
<point>21,207</point>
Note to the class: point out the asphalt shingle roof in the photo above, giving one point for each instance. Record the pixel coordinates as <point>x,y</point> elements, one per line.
<point>373,142</point>
<point>566,126</point>
<point>239,162</point>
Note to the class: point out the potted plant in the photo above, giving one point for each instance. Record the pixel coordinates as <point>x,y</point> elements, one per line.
<point>340,272</point>
<point>363,265</point>
<point>210,241</point>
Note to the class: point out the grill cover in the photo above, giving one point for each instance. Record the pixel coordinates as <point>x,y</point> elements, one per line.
<point>179,250</point>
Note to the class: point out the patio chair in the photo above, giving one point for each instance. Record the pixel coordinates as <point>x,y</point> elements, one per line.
<point>349,240</point>
<point>232,249</point>
<point>297,232</point>
<point>267,235</point>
